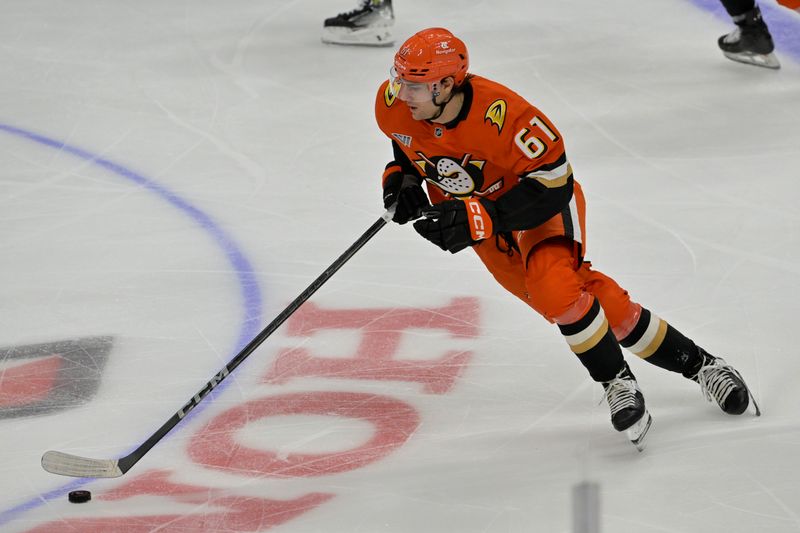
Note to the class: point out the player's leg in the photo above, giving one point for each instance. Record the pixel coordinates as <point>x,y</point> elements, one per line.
<point>651,338</point>
<point>549,283</point>
<point>557,292</point>
<point>504,263</point>
<point>750,42</point>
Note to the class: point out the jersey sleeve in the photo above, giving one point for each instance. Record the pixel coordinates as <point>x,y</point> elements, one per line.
<point>545,176</point>
<point>405,163</point>
<point>383,103</point>
<point>384,100</point>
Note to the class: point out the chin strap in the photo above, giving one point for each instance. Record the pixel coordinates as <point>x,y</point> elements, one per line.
<point>434,94</point>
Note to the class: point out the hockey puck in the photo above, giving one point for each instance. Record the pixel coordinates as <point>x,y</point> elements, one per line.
<point>79,496</point>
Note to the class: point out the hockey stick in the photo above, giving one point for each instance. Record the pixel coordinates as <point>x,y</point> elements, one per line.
<point>72,465</point>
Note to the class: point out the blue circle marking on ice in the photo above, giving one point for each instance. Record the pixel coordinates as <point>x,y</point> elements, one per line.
<point>248,283</point>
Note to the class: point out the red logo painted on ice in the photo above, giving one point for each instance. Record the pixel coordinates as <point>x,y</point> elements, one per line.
<point>378,333</point>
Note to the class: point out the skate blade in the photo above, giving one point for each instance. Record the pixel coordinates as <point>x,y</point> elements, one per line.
<point>637,433</point>
<point>760,60</point>
<point>755,404</point>
<point>752,398</point>
<point>372,36</point>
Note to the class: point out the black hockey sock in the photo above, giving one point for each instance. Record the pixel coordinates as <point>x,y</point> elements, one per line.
<point>736,8</point>
<point>658,343</point>
<point>593,342</point>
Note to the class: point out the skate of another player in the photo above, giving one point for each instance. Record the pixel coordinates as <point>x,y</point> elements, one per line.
<point>750,42</point>
<point>370,24</point>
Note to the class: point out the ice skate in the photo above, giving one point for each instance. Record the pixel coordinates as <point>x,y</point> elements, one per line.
<point>750,42</point>
<point>370,24</point>
<point>723,384</point>
<point>628,412</point>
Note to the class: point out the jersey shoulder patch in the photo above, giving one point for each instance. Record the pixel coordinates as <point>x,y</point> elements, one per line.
<point>496,103</point>
<point>496,114</point>
<point>389,97</point>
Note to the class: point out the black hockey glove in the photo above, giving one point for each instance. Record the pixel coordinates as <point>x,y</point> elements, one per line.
<point>404,191</point>
<point>455,224</point>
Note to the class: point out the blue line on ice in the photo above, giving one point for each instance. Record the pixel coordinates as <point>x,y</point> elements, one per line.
<point>251,294</point>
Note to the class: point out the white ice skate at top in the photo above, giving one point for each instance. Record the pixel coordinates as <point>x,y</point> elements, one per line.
<point>370,25</point>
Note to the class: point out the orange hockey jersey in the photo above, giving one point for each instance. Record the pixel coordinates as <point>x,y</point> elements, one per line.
<point>500,147</point>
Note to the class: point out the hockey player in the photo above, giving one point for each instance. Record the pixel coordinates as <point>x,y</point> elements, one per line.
<point>369,24</point>
<point>500,183</point>
<point>750,42</point>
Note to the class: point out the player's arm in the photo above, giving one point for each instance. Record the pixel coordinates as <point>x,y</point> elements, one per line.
<point>402,160</point>
<point>545,188</point>
<point>402,188</point>
<point>401,182</point>
<point>545,176</point>
<point>540,194</point>
<point>456,224</point>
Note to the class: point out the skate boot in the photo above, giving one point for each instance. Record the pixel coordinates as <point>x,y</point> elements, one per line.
<point>750,42</point>
<point>370,24</point>
<point>722,383</point>
<point>628,412</point>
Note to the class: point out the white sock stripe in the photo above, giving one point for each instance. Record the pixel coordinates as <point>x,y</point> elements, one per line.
<point>587,333</point>
<point>649,334</point>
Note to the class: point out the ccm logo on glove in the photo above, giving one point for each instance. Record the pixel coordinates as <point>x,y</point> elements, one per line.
<point>453,225</point>
<point>480,223</point>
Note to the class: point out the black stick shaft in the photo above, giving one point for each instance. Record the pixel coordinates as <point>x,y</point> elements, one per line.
<point>131,459</point>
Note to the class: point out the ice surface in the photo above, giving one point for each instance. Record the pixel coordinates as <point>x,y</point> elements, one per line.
<point>174,173</point>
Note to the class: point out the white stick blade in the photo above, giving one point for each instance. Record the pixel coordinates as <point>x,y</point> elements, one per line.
<point>65,464</point>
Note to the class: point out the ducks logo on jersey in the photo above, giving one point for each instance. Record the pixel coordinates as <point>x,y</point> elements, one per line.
<point>458,178</point>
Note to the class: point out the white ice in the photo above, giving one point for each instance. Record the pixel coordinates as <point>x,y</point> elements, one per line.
<point>265,140</point>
